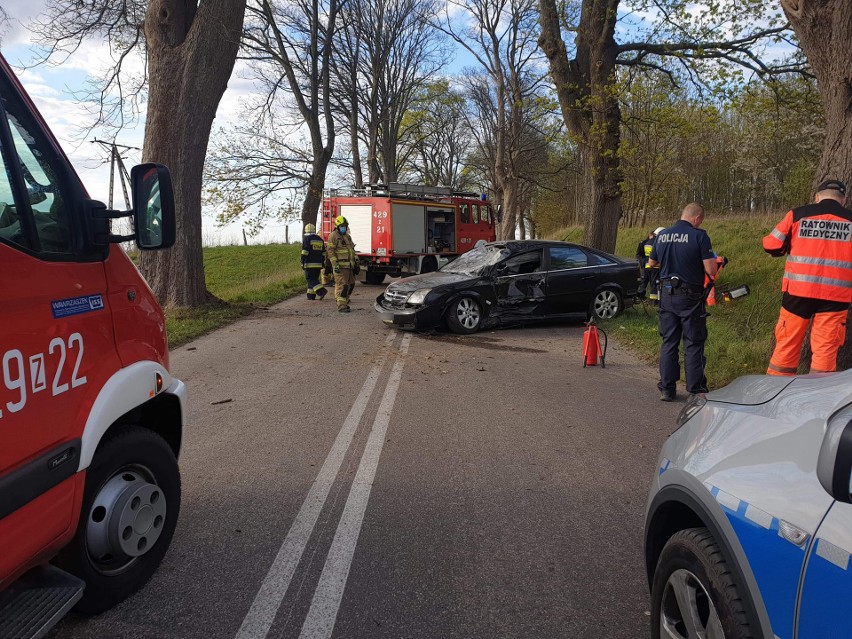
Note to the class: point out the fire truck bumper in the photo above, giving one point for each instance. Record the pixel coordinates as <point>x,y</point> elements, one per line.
<point>411,318</point>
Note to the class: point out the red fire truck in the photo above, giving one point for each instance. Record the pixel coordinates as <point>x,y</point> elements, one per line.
<point>405,229</point>
<point>90,418</point>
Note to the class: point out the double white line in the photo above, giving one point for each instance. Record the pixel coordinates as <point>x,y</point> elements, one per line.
<point>326,602</point>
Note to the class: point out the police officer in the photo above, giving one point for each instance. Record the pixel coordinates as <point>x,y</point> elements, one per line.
<point>684,255</point>
<point>344,262</point>
<point>817,284</point>
<point>313,255</point>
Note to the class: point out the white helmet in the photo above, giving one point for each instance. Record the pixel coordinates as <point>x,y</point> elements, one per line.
<point>659,230</point>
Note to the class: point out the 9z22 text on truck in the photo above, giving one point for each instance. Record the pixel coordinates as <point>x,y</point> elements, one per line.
<point>90,419</point>
<point>408,229</point>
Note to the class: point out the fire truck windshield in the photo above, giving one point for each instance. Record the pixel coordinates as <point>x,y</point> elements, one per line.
<point>477,261</point>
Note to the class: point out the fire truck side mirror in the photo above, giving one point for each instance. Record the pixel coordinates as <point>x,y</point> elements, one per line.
<point>153,206</point>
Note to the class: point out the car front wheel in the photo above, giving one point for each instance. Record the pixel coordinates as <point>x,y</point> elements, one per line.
<point>464,316</point>
<point>605,305</point>
<point>694,595</point>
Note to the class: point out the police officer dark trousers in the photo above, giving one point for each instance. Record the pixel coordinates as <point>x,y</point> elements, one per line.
<point>684,254</point>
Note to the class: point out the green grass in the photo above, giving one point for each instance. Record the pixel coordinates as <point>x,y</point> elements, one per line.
<point>245,278</point>
<point>739,332</point>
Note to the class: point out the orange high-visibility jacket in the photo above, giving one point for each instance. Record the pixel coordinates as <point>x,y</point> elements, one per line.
<point>817,240</point>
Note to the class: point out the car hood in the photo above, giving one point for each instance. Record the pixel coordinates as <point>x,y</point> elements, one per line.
<point>751,390</point>
<point>429,280</point>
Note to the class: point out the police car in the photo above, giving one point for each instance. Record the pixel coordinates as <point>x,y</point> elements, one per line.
<point>749,524</point>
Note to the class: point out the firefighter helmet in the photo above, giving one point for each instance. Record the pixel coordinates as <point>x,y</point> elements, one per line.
<point>310,228</point>
<point>659,230</point>
<point>339,220</point>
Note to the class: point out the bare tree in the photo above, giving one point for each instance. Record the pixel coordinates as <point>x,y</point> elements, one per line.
<point>290,45</point>
<point>190,48</point>
<point>500,35</point>
<point>388,52</point>
<point>586,82</point>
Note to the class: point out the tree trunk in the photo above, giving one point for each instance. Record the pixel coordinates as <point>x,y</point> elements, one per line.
<point>584,86</point>
<point>313,197</point>
<point>191,54</point>
<point>824,29</point>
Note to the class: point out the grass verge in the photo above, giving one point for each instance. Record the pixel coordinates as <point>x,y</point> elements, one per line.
<point>245,278</point>
<point>739,332</point>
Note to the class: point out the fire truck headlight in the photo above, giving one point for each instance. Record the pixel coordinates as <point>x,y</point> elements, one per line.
<point>418,296</point>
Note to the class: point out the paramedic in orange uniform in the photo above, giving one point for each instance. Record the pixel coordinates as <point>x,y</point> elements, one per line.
<point>817,284</point>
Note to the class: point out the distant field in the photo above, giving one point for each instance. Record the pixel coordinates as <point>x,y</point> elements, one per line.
<point>739,332</point>
<point>246,277</point>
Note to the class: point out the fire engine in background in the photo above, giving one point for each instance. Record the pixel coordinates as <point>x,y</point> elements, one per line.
<point>90,419</point>
<point>408,229</point>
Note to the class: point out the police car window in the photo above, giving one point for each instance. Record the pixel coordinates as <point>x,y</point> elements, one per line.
<point>10,223</point>
<point>522,264</point>
<point>464,214</point>
<point>49,210</point>
<point>566,257</point>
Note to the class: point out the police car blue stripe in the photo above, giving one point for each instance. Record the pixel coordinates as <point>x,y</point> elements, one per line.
<point>826,594</point>
<point>775,562</point>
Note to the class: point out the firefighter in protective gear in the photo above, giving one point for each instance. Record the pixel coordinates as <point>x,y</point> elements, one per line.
<point>313,255</point>
<point>649,273</point>
<point>817,283</point>
<point>344,262</point>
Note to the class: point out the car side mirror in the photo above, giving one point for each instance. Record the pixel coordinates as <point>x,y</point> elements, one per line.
<point>153,206</point>
<point>834,465</point>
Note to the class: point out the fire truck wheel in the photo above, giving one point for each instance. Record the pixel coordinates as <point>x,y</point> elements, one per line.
<point>429,265</point>
<point>464,316</point>
<point>374,277</point>
<point>130,508</point>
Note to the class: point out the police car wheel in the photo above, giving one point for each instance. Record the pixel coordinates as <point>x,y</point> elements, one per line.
<point>130,508</point>
<point>464,316</point>
<point>694,593</point>
<point>606,304</point>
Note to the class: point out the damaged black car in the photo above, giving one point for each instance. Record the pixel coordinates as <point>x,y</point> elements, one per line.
<point>513,282</point>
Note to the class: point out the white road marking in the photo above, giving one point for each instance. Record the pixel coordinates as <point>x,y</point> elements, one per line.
<point>262,613</point>
<point>322,615</point>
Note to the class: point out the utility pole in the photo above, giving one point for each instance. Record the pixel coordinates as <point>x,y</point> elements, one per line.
<point>116,160</point>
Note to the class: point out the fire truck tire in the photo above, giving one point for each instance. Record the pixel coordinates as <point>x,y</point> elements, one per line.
<point>429,265</point>
<point>130,508</point>
<point>464,316</point>
<point>374,278</point>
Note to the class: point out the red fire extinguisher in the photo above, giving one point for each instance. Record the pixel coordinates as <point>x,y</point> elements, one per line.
<point>592,345</point>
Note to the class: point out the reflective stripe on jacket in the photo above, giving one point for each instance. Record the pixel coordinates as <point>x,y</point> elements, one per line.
<point>341,250</point>
<point>817,240</point>
<point>313,251</point>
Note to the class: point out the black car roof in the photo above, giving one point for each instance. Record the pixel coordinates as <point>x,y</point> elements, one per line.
<point>516,246</point>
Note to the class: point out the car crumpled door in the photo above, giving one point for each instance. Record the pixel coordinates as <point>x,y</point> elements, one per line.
<point>521,285</point>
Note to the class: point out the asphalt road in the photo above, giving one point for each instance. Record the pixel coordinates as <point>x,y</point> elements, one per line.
<point>342,479</point>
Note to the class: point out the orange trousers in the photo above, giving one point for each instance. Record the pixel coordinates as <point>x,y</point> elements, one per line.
<point>828,333</point>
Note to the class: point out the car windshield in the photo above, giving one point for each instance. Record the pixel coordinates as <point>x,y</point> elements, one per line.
<point>476,261</point>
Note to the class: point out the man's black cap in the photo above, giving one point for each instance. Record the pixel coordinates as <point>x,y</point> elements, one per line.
<point>832,185</point>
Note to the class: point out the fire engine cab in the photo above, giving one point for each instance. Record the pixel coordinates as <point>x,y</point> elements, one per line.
<point>90,418</point>
<point>408,229</point>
